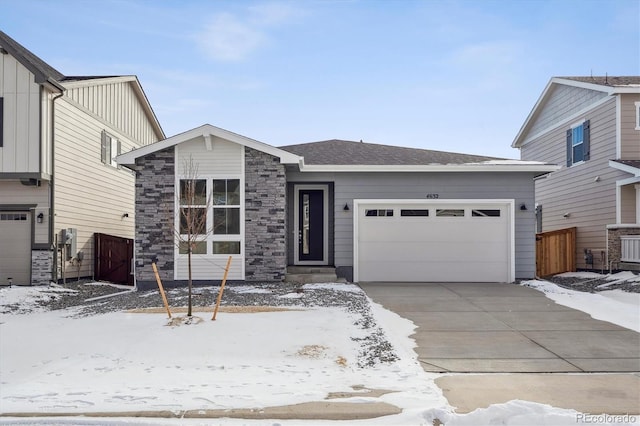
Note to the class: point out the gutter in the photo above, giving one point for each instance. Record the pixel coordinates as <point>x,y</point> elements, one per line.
<point>54,265</point>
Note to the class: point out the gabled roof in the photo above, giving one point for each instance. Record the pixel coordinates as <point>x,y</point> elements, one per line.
<point>610,85</point>
<point>44,73</point>
<point>341,152</point>
<point>206,131</point>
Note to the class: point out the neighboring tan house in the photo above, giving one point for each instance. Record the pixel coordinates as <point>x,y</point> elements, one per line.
<point>591,127</point>
<point>372,212</point>
<point>58,179</point>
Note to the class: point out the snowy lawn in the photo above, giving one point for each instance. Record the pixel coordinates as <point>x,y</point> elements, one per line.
<point>52,362</point>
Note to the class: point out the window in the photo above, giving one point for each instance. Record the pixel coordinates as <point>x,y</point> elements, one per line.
<point>226,206</point>
<point>226,247</point>
<point>578,143</point>
<point>637,104</point>
<point>110,149</point>
<point>1,121</point>
<point>380,212</point>
<point>414,212</point>
<point>485,213</point>
<point>450,212</point>
<point>210,212</point>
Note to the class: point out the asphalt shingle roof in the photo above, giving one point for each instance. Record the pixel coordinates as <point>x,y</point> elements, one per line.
<point>341,152</point>
<point>610,81</point>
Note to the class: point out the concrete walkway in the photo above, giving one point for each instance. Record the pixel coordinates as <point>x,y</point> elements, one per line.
<point>560,356</point>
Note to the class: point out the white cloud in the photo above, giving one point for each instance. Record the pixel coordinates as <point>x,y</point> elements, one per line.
<point>227,38</point>
<point>233,37</point>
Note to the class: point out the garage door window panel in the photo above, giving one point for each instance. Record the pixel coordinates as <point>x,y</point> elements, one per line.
<point>378,212</point>
<point>414,212</point>
<point>450,212</point>
<point>485,213</point>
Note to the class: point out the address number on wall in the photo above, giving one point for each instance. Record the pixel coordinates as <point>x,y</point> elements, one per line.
<point>433,196</point>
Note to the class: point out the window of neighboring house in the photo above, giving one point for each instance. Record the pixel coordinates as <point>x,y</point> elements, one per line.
<point>578,143</point>
<point>110,149</point>
<point>637,104</point>
<point>1,121</point>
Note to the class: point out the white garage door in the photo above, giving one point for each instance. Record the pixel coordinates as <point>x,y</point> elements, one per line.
<point>427,241</point>
<point>15,247</point>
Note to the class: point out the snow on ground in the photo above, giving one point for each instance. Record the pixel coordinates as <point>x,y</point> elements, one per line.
<point>615,306</point>
<point>54,362</point>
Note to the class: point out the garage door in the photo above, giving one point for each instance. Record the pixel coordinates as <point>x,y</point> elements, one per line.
<point>15,248</point>
<point>427,241</point>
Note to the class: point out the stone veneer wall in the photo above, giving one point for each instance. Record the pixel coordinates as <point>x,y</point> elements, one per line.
<point>265,217</point>
<point>155,192</point>
<point>41,265</point>
<point>614,247</point>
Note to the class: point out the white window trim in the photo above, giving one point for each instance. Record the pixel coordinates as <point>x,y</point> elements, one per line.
<point>211,237</point>
<point>637,105</point>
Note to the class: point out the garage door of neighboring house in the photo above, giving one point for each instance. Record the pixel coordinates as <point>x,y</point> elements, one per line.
<point>15,248</point>
<point>429,241</point>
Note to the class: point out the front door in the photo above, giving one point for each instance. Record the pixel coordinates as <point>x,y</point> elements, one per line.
<point>311,225</point>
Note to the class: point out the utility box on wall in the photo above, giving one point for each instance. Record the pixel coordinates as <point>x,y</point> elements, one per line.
<point>68,239</point>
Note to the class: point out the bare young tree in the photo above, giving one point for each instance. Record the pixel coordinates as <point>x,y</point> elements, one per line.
<point>190,227</point>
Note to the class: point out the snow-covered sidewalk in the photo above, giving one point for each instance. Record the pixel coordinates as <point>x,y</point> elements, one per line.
<point>57,362</point>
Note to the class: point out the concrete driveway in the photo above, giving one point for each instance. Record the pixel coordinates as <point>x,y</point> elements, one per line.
<point>499,328</point>
<point>483,328</point>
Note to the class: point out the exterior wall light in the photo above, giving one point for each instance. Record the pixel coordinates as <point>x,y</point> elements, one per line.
<point>40,217</point>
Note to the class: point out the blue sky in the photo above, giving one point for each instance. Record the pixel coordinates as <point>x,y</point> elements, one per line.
<point>458,76</point>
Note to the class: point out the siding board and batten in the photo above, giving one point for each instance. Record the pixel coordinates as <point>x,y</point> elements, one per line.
<point>20,152</point>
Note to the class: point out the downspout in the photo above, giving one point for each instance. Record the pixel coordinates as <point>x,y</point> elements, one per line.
<point>52,233</point>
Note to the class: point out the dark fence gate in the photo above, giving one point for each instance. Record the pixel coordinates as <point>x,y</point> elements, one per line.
<point>113,259</point>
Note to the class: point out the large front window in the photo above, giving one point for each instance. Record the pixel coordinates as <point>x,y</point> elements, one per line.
<point>210,216</point>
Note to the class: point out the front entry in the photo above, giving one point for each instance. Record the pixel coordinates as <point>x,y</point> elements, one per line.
<point>311,224</point>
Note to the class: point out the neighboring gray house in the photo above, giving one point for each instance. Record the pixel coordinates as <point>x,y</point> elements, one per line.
<point>374,212</point>
<point>591,127</point>
<point>58,137</point>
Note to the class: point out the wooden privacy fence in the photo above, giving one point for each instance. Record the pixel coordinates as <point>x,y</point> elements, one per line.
<point>113,259</point>
<point>555,252</point>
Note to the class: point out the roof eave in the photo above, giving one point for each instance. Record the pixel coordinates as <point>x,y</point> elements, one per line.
<point>446,168</point>
<point>625,168</point>
<point>129,158</point>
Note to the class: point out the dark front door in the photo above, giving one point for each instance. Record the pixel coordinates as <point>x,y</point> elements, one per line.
<point>311,225</point>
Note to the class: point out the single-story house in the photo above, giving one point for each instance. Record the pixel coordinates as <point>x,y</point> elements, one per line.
<point>374,212</point>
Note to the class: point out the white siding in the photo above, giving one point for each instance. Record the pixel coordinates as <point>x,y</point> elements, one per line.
<point>21,150</point>
<point>89,195</point>
<point>224,159</point>
<point>116,103</point>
